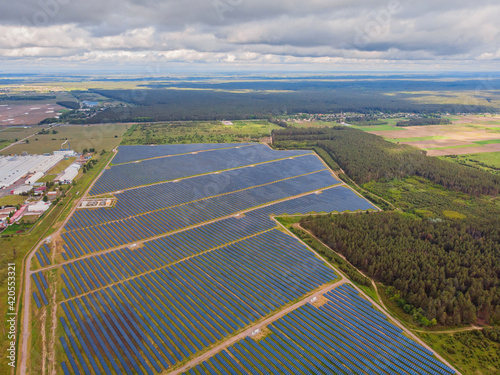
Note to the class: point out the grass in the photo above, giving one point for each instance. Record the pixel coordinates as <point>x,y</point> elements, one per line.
<point>419,197</point>
<point>417,139</point>
<point>10,135</point>
<point>470,352</point>
<point>12,200</point>
<point>488,142</point>
<point>453,215</point>
<point>489,161</point>
<point>447,147</point>
<point>47,178</point>
<point>198,132</point>
<point>379,128</point>
<point>61,166</point>
<point>80,137</point>
<point>14,248</point>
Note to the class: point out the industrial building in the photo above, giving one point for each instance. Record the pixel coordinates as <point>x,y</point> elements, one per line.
<point>33,179</point>
<point>65,152</point>
<point>12,168</point>
<point>69,174</point>
<point>39,207</point>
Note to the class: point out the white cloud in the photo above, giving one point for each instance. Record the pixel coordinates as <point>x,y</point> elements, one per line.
<point>321,32</point>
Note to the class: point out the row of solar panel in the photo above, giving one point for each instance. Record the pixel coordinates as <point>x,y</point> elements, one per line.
<point>152,198</point>
<point>41,286</point>
<point>344,336</point>
<point>138,228</point>
<point>124,176</point>
<point>110,267</point>
<point>42,254</point>
<point>168,315</point>
<point>127,154</point>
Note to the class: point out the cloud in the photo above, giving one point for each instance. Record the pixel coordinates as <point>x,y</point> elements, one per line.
<point>232,32</point>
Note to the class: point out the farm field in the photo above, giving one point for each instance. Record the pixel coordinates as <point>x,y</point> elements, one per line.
<point>466,135</point>
<point>80,137</point>
<point>27,114</point>
<point>177,267</point>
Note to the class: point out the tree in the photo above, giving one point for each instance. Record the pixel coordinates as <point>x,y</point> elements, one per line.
<point>45,198</point>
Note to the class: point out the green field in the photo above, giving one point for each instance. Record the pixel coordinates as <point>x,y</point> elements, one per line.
<point>80,137</point>
<point>488,142</point>
<point>417,139</point>
<point>10,135</point>
<point>198,132</point>
<point>379,128</point>
<point>12,200</point>
<point>447,147</point>
<point>489,161</point>
<point>471,352</point>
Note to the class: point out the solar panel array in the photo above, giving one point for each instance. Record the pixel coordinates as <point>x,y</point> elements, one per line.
<point>42,254</point>
<point>127,154</point>
<point>124,176</point>
<point>169,314</point>
<point>154,197</point>
<point>346,335</point>
<point>175,267</point>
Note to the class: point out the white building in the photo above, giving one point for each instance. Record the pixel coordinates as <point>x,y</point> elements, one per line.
<point>21,189</point>
<point>69,174</point>
<point>12,168</point>
<point>39,207</point>
<point>34,178</point>
<point>65,153</point>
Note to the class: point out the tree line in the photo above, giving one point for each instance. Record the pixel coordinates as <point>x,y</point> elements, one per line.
<point>366,157</point>
<point>424,121</point>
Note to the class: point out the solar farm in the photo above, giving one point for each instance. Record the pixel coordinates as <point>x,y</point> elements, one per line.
<point>189,259</point>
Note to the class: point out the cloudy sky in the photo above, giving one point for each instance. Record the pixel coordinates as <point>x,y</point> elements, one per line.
<point>250,34</point>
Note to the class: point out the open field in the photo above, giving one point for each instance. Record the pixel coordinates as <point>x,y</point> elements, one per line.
<point>80,137</point>
<point>9,135</point>
<point>198,132</point>
<point>168,272</point>
<point>12,200</point>
<point>489,161</point>
<point>27,114</point>
<point>470,351</point>
<point>477,132</point>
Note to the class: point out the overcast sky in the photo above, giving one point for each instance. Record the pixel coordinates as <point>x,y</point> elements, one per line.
<point>250,34</point>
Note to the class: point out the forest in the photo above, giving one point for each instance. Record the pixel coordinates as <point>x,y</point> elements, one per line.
<point>238,102</point>
<point>446,271</point>
<point>440,255</point>
<point>366,157</point>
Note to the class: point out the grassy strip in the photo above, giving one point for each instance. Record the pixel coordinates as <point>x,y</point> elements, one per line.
<point>16,247</point>
<point>488,142</point>
<point>447,147</point>
<point>418,139</point>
